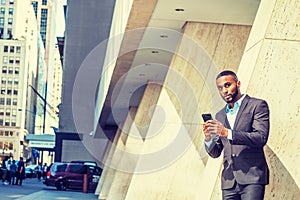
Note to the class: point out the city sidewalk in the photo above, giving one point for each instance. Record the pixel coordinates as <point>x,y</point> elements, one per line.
<point>59,195</point>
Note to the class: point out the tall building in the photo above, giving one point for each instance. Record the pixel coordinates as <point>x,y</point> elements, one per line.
<point>18,55</point>
<point>45,12</point>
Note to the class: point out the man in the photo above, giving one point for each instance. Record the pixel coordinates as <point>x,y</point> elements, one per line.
<point>20,172</point>
<point>241,129</point>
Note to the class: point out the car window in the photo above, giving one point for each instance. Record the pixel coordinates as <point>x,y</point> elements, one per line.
<point>78,169</point>
<point>95,170</point>
<point>59,167</point>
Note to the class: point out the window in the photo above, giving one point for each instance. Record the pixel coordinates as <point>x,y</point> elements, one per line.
<point>35,7</point>
<point>3,80</point>
<point>2,11</point>
<point>5,49</point>
<point>44,2</point>
<point>16,81</point>
<point>7,113</point>
<point>3,90</point>
<point>10,70</point>
<point>12,49</point>
<point>4,70</point>
<point>10,11</point>
<point>15,101</point>
<point>4,59</point>
<point>17,70</point>
<point>6,123</point>
<point>13,123</point>
<point>15,92</point>
<point>2,101</point>
<point>17,60</point>
<point>1,111</point>
<point>9,91</point>
<point>14,112</point>
<point>10,21</point>
<point>8,101</point>
<point>1,21</point>
<point>9,81</point>
<point>1,123</point>
<point>11,2</point>
<point>11,60</point>
<point>18,49</point>
<point>3,2</point>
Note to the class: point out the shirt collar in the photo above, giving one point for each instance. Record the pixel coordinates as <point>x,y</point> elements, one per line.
<point>236,106</point>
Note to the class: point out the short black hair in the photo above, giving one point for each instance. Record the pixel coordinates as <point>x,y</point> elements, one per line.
<point>226,73</point>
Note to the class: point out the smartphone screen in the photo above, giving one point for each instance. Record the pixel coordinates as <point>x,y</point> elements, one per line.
<point>206,116</point>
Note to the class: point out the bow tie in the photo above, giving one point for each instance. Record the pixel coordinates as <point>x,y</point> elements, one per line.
<point>234,109</point>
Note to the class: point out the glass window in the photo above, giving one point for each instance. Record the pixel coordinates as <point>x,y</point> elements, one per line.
<point>15,92</point>
<point>10,11</point>
<point>9,81</point>
<point>10,70</point>
<point>11,60</point>
<point>3,90</point>
<point>8,91</point>
<point>2,100</point>
<point>15,101</point>
<point>17,60</point>
<point>2,11</point>
<point>7,113</point>
<point>16,81</point>
<point>18,49</point>
<point>10,21</point>
<point>5,59</point>
<point>14,112</point>
<point>8,101</point>
<point>1,111</point>
<point>6,123</point>
<point>1,21</point>
<point>44,2</point>
<point>5,49</point>
<point>17,70</point>
<point>13,123</point>
<point>11,2</point>
<point>12,49</point>
<point>3,2</point>
<point>3,80</point>
<point>4,70</point>
<point>1,123</point>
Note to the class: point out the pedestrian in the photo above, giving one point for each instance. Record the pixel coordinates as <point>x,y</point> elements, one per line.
<point>45,170</point>
<point>13,170</point>
<point>4,171</point>
<point>7,180</point>
<point>39,171</point>
<point>20,172</point>
<point>240,130</point>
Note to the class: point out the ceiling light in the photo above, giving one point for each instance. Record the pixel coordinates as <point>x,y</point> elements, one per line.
<point>164,36</point>
<point>179,9</point>
<point>155,51</point>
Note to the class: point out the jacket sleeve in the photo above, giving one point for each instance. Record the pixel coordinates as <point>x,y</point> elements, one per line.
<point>257,131</point>
<point>215,148</point>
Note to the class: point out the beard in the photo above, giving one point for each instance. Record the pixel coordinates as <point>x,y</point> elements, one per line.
<point>233,96</point>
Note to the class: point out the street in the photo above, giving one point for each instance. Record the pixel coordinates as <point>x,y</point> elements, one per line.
<point>34,189</point>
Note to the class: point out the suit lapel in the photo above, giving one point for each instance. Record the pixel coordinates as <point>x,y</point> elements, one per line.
<point>241,109</point>
<point>224,119</point>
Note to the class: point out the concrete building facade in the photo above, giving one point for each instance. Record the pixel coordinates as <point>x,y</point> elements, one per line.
<point>146,87</point>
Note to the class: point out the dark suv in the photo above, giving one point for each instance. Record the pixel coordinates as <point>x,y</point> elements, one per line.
<point>70,175</point>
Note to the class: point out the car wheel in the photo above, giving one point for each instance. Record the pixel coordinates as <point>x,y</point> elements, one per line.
<point>61,185</point>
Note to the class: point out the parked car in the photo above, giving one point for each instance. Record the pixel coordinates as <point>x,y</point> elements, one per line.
<point>31,171</point>
<point>71,175</point>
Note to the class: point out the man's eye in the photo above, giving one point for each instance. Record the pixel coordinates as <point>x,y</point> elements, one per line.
<point>227,85</point>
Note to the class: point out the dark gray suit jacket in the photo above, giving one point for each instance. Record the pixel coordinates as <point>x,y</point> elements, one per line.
<point>244,159</point>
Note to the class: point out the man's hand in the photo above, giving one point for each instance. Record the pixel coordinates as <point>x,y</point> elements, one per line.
<point>214,127</point>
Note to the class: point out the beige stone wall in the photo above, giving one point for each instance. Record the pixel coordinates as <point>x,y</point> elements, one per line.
<point>270,70</point>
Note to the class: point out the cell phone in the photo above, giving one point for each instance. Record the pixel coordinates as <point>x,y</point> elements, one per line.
<point>206,116</point>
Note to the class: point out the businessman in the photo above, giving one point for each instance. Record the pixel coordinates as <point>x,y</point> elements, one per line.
<point>241,130</point>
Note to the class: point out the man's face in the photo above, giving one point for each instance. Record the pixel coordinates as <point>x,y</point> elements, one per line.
<point>229,88</point>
